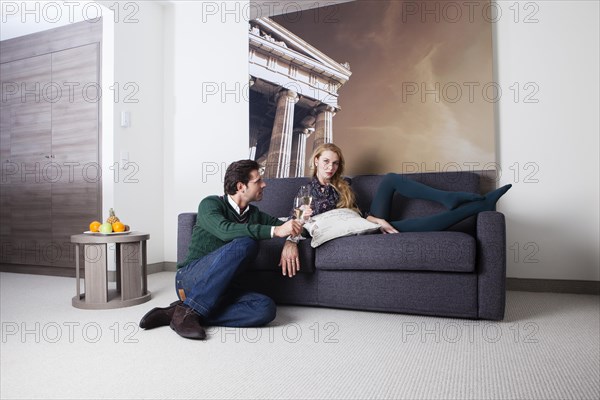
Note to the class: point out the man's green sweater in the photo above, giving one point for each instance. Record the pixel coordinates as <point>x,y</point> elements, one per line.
<point>218,224</point>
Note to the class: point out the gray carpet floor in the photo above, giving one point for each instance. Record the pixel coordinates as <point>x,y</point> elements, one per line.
<point>548,347</point>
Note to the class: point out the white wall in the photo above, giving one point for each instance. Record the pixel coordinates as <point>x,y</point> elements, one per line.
<point>202,135</point>
<point>137,88</point>
<point>552,210</point>
<point>21,18</point>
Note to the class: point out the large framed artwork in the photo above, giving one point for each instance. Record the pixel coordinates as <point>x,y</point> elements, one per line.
<point>400,86</point>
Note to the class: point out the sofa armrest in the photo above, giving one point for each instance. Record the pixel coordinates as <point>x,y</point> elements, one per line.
<point>185,226</point>
<point>491,264</point>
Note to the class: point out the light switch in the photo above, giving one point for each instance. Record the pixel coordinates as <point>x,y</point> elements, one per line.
<point>125,119</point>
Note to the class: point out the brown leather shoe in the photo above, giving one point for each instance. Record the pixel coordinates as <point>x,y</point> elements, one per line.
<point>158,316</point>
<point>186,323</point>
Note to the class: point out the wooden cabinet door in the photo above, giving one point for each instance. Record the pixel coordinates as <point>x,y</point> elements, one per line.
<point>75,142</point>
<point>6,170</point>
<point>26,134</point>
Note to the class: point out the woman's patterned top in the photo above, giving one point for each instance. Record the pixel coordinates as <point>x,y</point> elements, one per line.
<point>324,197</point>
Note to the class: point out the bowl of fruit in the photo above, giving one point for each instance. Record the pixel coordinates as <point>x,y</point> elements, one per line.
<point>112,226</point>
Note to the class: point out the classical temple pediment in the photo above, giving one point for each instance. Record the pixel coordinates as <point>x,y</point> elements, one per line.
<point>279,56</point>
<point>284,38</point>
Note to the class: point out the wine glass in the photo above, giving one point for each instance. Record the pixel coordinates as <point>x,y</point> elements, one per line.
<point>301,201</point>
<point>306,199</point>
<point>299,209</point>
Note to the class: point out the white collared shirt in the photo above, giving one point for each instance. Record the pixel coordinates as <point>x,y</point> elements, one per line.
<point>235,206</point>
<point>237,209</point>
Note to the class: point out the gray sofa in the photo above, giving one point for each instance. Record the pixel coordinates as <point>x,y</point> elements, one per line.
<point>456,273</point>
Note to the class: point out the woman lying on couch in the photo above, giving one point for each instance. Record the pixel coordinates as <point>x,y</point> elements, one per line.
<point>330,191</point>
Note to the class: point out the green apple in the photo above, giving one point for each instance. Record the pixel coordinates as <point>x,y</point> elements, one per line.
<point>105,228</point>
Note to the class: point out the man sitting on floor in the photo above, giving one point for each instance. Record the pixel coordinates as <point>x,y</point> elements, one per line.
<point>224,241</point>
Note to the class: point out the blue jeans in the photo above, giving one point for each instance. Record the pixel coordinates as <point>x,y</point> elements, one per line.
<point>210,287</point>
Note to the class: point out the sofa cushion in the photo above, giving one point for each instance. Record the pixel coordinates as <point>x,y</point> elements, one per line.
<point>414,251</point>
<point>278,196</point>
<point>414,292</point>
<point>338,223</point>
<point>185,226</point>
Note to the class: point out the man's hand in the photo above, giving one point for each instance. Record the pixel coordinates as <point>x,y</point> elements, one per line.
<point>290,260</point>
<point>290,228</point>
<point>307,212</point>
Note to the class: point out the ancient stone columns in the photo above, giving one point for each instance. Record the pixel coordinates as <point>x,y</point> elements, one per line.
<point>324,125</point>
<point>280,148</point>
<point>287,148</point>
<point>299,150</point>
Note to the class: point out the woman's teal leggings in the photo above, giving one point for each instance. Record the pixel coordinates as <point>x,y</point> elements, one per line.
<point>460,204</point>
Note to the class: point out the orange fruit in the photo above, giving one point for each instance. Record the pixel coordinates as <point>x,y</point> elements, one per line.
<point>94,226</point>
<point>118,226</point>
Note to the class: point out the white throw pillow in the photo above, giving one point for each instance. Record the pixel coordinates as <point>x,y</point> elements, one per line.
<point>337,223</point>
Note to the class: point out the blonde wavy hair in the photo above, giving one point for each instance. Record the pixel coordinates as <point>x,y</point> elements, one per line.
<point>347,198</point>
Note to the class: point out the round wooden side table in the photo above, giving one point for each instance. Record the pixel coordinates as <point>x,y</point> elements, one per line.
<point>131,274</point>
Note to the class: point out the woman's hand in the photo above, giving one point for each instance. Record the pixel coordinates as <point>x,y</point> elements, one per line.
<point>307,212</point>
<point>386,227</point>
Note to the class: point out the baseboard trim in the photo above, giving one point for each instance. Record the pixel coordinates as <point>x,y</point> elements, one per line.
<point>170,266</point>
<point>516,284</point>
<point>69,272</point>
<point>40,270</point>
<point>553,286</point>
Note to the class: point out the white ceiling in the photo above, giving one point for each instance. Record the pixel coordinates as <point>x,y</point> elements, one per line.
<point>25,17</point>
<point>19,18</point>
